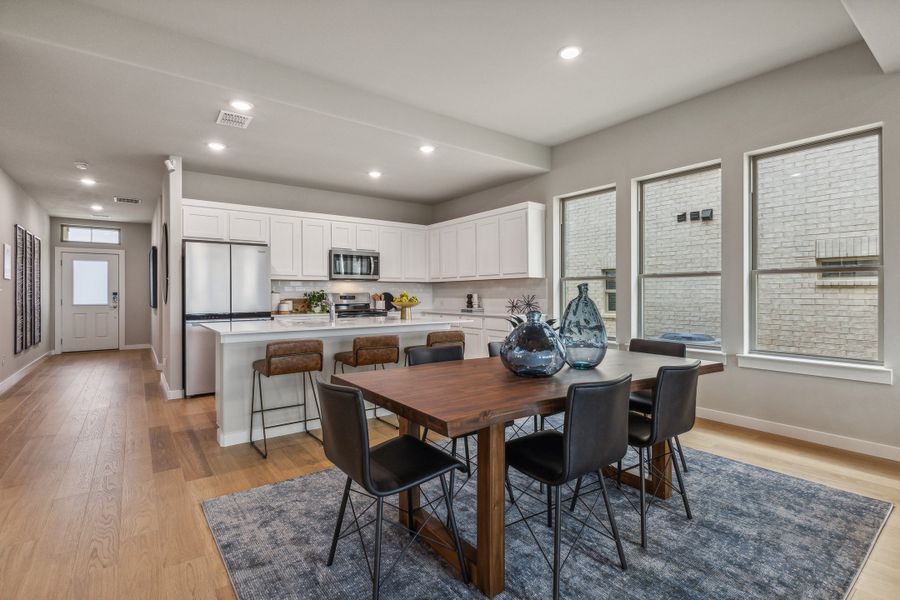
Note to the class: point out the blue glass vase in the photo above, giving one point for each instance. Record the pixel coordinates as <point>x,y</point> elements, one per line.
<point>583,332</point>
<point>533,349</point>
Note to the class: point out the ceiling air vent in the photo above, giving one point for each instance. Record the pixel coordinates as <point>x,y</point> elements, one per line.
<point>233,119</point>
<point>123,200</point>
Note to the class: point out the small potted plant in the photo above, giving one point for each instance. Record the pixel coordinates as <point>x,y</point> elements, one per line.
<point>316,300</point>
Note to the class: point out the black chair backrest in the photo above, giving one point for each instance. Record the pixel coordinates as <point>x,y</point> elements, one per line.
<point>421,356</point>
<point>657,347</point>
<point>595,432</point>
<point>675,402</point>
<point>494,348</point>
<point>344,431</point>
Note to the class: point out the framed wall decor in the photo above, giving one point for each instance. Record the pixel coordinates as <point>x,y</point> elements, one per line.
<point>7,261</point>
<point>36,292</point>
<point>19,342</point>
<point>28,290</point>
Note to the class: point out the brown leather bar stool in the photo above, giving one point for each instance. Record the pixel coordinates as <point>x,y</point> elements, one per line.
<point>285,358</point>
<point>371,350</point>
<point>454,337</point>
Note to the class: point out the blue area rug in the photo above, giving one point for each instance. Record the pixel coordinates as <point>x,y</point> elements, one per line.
<point>755,534</point>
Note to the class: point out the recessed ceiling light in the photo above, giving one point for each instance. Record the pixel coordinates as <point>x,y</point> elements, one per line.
<point>87,181</point>
<point>796,174</point>
<point>374,174</point>
<point>241,105</point>
<point>216,146</point>
<point>96,207</point>
<point>569,52</point>
<point>426,149</point>
<point>81,166</point>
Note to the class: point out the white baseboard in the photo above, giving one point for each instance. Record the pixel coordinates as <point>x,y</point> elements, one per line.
<point>156,362</point>
<point>134,347</point>
<point>824,438</point>
<point>18,375</point>
<point>170,393</point>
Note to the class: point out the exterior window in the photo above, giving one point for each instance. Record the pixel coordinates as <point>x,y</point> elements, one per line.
<point>817,263</point>
<point>588,252</point>
<point>91,235</point>
<point>681,248</point>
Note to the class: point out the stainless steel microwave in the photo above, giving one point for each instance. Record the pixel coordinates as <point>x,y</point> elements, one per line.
<point>353,264</point>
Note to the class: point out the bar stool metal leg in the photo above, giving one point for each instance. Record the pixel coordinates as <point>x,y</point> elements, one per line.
<point>612,522</point>
<point>315,394</point>
<point>448,500</point>
<point>376,567</point>
<point>257,381</point>
<point>340,521</point>
<point>687,506</point>
<point>643,509</point>
<point>556,540</point>
<point>681,454</point>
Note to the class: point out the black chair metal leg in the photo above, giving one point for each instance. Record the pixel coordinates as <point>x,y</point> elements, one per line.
<point>256,381</point>
<point>619,474</point>
<point>451,520</point>
<point>556,541</point>
<point>425,434</point>
<point>687,505</point>
<point>535,423</point>
<point>550,506</point>
<point>641,501</point>
<point>575,495</point>
<point>376,567</point>
<point>612,522</point>
<point>509,488</point>
<point>340,522</point>
<point>681,454</point>
<point>453,472</point>
<point>315,394</point>
<point>468,461</point>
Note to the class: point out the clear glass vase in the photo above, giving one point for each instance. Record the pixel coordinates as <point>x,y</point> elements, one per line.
<point>583,332</point>
<point>533,349</point>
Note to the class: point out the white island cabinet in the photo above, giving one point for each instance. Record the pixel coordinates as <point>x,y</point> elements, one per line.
<point>238,344</point>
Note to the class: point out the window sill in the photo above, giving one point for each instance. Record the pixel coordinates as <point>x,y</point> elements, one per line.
<point>707,354</point>
<point>818,368</point>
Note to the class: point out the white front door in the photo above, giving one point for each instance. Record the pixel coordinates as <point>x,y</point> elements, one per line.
<point>90,301</point>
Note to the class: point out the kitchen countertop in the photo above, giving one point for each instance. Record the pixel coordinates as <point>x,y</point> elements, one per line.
<point>285,326</point>
<point>456,311</point>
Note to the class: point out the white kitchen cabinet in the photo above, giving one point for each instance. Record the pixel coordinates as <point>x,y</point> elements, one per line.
<point>487,235</point>
<point>248,227</point>
<point>466,253</point>
<point>284,247</point>
<point>514,240</point>
<point>434,255</point>
<point>315,241</point>
<point>367,237</point>
<point>390,244</point>
<point>343,235</point>
<point>415,255</point>
<point>448,250</point>
<point>475,348</point>
<point>204,223</point>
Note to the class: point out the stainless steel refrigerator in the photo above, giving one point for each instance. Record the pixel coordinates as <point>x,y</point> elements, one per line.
<point>222,283</point>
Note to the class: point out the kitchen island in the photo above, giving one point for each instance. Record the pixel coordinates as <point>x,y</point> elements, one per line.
<point>239,343</point>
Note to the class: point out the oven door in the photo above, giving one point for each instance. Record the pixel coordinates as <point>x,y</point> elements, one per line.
<point>349,264</point>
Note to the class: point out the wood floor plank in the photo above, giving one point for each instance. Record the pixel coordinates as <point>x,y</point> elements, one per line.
<point>162,448</point>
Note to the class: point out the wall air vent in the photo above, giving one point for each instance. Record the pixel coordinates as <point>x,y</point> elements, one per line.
<point>233,119</point>
<point>124,200</point>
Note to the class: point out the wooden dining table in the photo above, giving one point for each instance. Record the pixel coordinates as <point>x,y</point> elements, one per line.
<point>479,396</point>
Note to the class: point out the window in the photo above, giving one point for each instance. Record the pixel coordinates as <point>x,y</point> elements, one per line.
<point>588,251</point>
<point>91,235</point>
<point>816,262</point>
<point>681,248</point>
<point>90,282</point>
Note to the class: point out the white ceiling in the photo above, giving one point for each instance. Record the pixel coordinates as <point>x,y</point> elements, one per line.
<point>343,87</point>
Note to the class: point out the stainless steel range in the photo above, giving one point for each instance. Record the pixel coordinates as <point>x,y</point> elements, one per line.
<point>355,304</point>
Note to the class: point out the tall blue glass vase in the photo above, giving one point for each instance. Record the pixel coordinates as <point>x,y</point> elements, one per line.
<point>533,349</point>
<point>583,332</point>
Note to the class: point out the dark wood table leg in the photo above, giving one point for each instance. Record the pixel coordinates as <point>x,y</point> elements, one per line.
<point>491,579</point>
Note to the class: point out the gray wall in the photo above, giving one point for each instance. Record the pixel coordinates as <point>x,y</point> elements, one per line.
<point>136,289</point>
<point>203,186</point>
<point>832,92</point>
<point>17,208</point>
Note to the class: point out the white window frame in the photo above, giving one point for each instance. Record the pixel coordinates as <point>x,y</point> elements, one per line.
<point>64,226</point>
<point>637,187</point>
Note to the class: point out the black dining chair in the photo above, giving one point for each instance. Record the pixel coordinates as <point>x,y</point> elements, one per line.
<point>494,348</point>
<point>594,436</point>
<point>423,355</point>
<point>641,400</point>
<point>672,412</point>
<point>393,467</point>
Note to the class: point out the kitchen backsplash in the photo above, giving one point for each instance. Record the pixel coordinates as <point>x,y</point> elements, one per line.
<point>494,294</point>
<point>296,289</point>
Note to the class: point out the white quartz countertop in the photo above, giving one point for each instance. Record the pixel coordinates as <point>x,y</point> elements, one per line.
<point>256,330</point>
<point>456,311</point>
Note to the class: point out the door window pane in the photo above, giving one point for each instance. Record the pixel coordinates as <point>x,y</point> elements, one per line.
<point>76,234</point>
<point>90,282</point>
<point>683,309</point>
<point>91,235</point>
<point>105,236</point>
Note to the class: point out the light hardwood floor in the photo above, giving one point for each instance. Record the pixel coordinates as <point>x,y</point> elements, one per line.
<point>101,481</point>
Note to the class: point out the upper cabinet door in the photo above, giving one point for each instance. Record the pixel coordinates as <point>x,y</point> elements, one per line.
<point>415,252</point>
<point>248,227</point>
<point>367,237</point>
<point>488,244</point>
<point>514,242</point>
<point>284,246</point>
<point>390,243</point>
<point>448,250</point>
<point>434,254</point>
<point>466,250</point>
<point>315,241</point>
<point>204,223</point>
<point>343,235</point>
